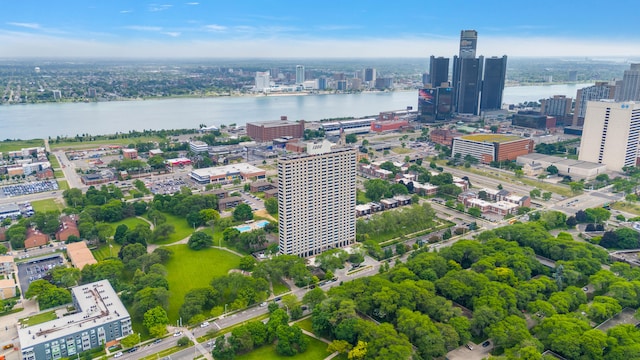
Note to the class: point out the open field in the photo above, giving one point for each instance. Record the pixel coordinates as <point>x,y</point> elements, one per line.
<point>58,174</point>
<point>189,269</point>
<point>626,207</point>
<point>305,324</point>
<point>104,252</point>
<point>182,229</point>
<point>317,350</point>
<point>101,142</point>
<point>11,145</point>
<point>46,205</point>
<point>131,223</point>
<point>401,150</point>
<point>54,162</point>
<point>63,185</point>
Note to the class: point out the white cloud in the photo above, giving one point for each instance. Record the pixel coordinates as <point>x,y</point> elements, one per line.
<point>193,3</point>
<point>215,27</point>
<point>143,28</point>
<point>26,25</point>
<point>171,33</point>
<point>23,44</point>
<point>126,11</point>
<point>159,7</point>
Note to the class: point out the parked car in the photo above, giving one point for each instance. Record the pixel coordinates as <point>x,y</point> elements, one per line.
<point>118,354</point>
<point>486,343</point>
<point>469,346</point>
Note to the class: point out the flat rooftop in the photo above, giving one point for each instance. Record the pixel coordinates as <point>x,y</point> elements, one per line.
<point>493,138</point>
<point>80,254</point>
<point>98,304</point>
<point>581,164</point>
<point>273,123</point>
<point>243,168</point>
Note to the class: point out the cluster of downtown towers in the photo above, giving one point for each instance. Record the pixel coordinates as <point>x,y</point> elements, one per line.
<point>476,84</point>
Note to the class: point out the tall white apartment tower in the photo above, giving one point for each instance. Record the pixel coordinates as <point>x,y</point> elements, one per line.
<point>299,74</point>
<point>262,80</point>
<point>611,133</point>
<point>317,200</point>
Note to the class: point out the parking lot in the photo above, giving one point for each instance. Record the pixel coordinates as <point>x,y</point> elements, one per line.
<point>471,352</point>
<point>37,268</point>
<point>29,188</point>
<point>166,185</point>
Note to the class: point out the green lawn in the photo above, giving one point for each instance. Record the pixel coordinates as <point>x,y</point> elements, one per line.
<point>361,198</point>
<point>131,223</point>
<point>6,146</point>
<point>39,318</point>
<point>305,324</point>
<point>626,207</point>
<point>103,252</point>
<point>98,143</point>
<point>279,288</point>
<point>46,205</point>
<point>58,174</point>
<point>54,162</point>
<point>182,229</point>
<point>317,350</point>
<point>219,241</point>
<point>63,185</point>
<point>189,269</point>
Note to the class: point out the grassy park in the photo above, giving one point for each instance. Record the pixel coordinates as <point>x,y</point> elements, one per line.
<point>101,142</point>
<point>279,288</point>
<point>104,252</point>
<point>317,350</point>
<point>131,223</point>
<point>189,269</point>
<point>182,229</point>
<point>14,145</point>
<point>46,205</point>
<point>54,162</point>
<point>63,185</point>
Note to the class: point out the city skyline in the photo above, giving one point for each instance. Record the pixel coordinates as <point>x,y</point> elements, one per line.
<point>205,29</point>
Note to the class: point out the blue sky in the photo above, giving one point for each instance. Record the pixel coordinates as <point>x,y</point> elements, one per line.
<point>351,28</point>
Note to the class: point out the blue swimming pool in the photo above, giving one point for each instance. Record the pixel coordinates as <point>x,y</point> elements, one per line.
<point>243,228</point>
<point>262,223</point>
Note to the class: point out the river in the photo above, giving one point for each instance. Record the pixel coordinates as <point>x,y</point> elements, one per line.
<point>68,119</point>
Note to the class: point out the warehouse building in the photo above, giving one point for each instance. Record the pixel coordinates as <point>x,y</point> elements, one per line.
<point>491,147</point>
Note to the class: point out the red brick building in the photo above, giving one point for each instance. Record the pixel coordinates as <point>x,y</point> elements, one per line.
<point>269,130</point>
<point>35,239</point>
<point>443,136</point>
<point>68,227</point>
<point>380,126</point>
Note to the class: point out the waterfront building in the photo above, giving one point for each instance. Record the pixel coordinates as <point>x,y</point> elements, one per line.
<point>601,90</point>
<point>299,74</point>
<point>467,84</point>
<point>558,106</point>
<point>495,70</point>
<point>370,75</point>
<point>269,130</point>
<point>263,80</point>
<point>610,134</point>
<point>317,200</point>
<point>438,71</point>
<point>491,147</point>
<point>629,89</point>
<point>98,317</point>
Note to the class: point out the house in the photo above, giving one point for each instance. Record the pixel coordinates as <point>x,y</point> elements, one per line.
<point>389,203</point>
<point>45,174</point>
<point>229,202</point>
<point>7,289</point>
<point>6,265</point>
<point>68,227</point>
<point>35,239</point>
<point>271,193</point>
<point>80,255</point>
<point>424,189</point>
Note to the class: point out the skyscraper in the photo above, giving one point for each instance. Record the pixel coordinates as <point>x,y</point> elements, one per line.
<point>316,200</point>
<point>468,43</point>
<point>262,80</point>
<point>630,89</point>
<point>299,74</point>
<point>438,71</point>
<point>601,90</point>
<point>370,75</point>
<point>558,106</point>
<point>611,133</point>
<point>468,75</point>
<point>495,70</point>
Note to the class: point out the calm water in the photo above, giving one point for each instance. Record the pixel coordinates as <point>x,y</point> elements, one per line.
<point>69,119</point>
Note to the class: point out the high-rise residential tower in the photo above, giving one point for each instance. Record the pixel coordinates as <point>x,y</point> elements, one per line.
<point>558,106</point>
<point>262,80</point>
<point>495,70</point>
<point>370,75</point>
<point>601,90</point>
<point>630,88</point>
<point>299,74</point>
<point>316,200</point>
<point>611,133</point>
<point>438,71</point>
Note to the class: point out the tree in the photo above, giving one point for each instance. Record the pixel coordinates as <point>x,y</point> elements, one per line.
<point>474,211</point>
<point>519,173</point>
<point>183,341</point>
<point>271,205</point>
<point>597,215</point>
<point>314,297</point>
<point>130,340</point>
<point>546,196</point>
<point>376,189</point>
<point>247,263</point>
<point>576,187</point>
<point>340,346</point>
<point>155,320</point>
<point>552,169</point>
<point>534,193</point>
<point>359,351</point>
<point>242,212</point>
<point>351,138</point>
<point>200,240</point>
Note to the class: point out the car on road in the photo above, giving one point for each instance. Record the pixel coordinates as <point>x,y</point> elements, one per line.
<point>118,354</point>
<point>157,341</point>
<point>204,324</point>
<point>133,349</point>
<point>179,333</point>
<point>277,299</point>
<point>486,343</point>
<point>263,304</point>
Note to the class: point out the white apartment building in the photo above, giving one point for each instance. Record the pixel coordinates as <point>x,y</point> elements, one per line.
<point>317,200</point>
<point>263,81</point>
<point>300,74</point>
<point>611,133</point>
